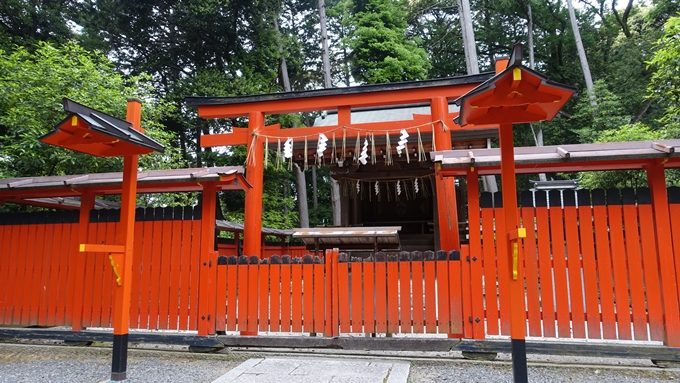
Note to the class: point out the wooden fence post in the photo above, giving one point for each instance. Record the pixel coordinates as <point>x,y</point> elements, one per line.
<point>656,177</point>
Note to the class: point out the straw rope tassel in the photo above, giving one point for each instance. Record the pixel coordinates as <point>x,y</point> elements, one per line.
<point>344,144</point>
<point>278,153</point>
<point>421,149</point>
<point>434,144</point>
<point>388,149</point>
<point>266,152</point>
<point>357,149</point>
<point>305,164</point>
<point>333,159</point>
<point>408,155</point>
<point>250,159</point>
<point>373,156</point>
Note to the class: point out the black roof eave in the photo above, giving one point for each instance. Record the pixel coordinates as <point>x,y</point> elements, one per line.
<point>231,100</point>
<point>118,128</point>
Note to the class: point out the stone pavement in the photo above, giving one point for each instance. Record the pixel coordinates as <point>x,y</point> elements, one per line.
<point>317,370</point>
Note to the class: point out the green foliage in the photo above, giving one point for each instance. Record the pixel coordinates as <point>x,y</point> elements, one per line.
<point>27,22</point>
<point>664,87</point>
<point>592,120</point>
<point>436,24</point>
<point>381,50</point>
<point>620,179</point>
<point>32,87</point>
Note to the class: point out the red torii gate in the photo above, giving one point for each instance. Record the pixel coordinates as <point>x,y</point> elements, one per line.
<point>434,92</point>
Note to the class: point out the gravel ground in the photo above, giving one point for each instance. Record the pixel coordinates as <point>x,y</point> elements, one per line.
<point>56,363</point>
<point>39,363</point>
<point>466,371</point>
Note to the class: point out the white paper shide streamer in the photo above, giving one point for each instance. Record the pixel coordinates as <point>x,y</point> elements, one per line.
<point>401,144</point>
<point>377,188</point>
<point>288,148</point>
<point>416,187</point>
<point>398,187</point>
<point>321,146</point>
<point>364,153</point>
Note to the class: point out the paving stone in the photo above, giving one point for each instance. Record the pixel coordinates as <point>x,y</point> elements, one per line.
<point>317,370</point>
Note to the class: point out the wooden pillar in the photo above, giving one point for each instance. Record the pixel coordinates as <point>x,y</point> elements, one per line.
<point>252,224</point>
<point>208,263</point>
<point>76,280</point>
<point>510,232</point>
<point>447,208</point>
<point>656,178</point>
<point>123,265</point>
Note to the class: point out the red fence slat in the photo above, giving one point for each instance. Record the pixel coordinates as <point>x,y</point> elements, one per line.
<point>576,303</point>
<point>621,291</point>
<point>405,310</point>
<point>417,297</point>
<point>392,297</point>
<point>630,222</point>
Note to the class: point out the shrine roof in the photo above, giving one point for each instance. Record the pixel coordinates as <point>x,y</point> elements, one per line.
<point>563,158</point>
<point>360,89</point>
<point>100,134</point>
<point>151,181</point>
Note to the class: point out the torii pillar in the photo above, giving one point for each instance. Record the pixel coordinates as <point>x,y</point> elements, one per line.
<point>447,208</point>
<point>252,222</point>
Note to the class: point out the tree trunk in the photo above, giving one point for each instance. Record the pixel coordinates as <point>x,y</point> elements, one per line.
<point>472,64</point>
<point>469,44</point>
<point>530,37</point>
<point>335,189</point>
<point>285,79</point>
<point>315,190</point>
<point>336,202</point>
<point>536,130</point>
<point>581,54</point>
<point>301,185</point>
<point>324,44</point>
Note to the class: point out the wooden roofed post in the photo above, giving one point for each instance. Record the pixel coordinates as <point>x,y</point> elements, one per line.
<point>516,94</point>
<point>96,133</point>
<point>668,261</point>
<point>123,290</point>
<point>447,207</point>
<point>511,235</point>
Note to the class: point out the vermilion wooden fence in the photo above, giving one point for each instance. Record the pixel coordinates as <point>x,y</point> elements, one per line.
<point>39,264</point>
<point>334,297</point>
<point>590,260</point>
<point>591,266</point>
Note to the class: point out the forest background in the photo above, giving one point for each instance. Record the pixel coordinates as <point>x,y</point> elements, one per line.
<point>100,52</point>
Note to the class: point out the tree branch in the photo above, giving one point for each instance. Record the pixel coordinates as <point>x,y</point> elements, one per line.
<point>623,20</point>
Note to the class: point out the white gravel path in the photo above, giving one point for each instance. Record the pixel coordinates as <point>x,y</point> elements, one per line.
<point>54,363</point>
<point>38,363</point>
<point>497,371</point>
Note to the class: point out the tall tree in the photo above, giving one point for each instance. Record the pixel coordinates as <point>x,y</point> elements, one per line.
<point>328,83</point>
<point>581,53</point>
<point>327,80</point>
<point>469,43</point>
<point>382,51</point>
